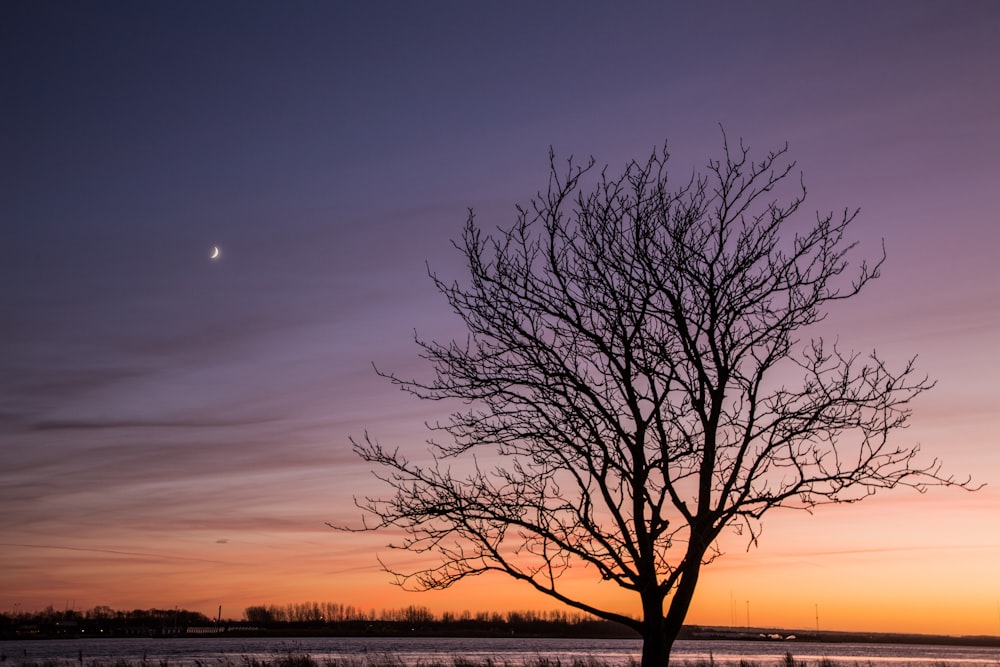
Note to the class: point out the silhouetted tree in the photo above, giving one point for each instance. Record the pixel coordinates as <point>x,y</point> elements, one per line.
<point>634,370</point>
<point>259,615</point>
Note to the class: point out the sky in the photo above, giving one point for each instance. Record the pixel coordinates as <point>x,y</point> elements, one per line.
<point>174,430</point>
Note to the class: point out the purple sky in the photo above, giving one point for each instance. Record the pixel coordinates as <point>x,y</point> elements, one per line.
<point>165,416</point>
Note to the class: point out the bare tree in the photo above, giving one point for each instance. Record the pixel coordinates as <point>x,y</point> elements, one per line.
<point>627,364</point>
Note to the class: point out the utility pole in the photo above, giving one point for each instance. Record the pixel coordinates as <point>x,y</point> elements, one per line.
<point>748,614</point>
<point>817,618</point>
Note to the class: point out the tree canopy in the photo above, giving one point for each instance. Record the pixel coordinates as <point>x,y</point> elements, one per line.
<point>643,365</point>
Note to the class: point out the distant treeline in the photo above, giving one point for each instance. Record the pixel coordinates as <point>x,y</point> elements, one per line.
<point>332,612</point>
<point>334,619</point>
<point>101,620</point>
<point>307,618</point>
<point>340,619</point>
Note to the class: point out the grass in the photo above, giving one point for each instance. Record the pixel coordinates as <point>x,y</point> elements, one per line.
<point>293,660</point>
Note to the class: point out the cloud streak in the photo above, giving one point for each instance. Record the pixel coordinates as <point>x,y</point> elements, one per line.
<point>114,552</point>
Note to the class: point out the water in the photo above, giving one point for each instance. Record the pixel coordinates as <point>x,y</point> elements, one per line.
<point>222,651</point>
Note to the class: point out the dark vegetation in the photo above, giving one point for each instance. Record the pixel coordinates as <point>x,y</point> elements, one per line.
<point>338,620</point>
<point>335,619</point>
<point>101,620</point>
<point>293,660</point>
<point>309,618</point>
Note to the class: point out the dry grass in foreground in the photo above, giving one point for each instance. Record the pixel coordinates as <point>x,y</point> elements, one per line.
<point>292,660</point>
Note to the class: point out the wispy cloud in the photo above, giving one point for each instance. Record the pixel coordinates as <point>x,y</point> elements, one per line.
<point>81,425</point>
<point>114,552</point>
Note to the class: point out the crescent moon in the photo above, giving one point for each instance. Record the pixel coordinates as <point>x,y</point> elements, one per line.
<point>215,252</point>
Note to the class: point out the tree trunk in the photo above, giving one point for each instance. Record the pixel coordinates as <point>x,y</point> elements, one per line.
<point>656,647</point>
<point>672,623</point>
<point>656,641</point>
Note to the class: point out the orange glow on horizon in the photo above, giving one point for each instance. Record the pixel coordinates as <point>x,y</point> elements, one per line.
<point>800,567</point>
